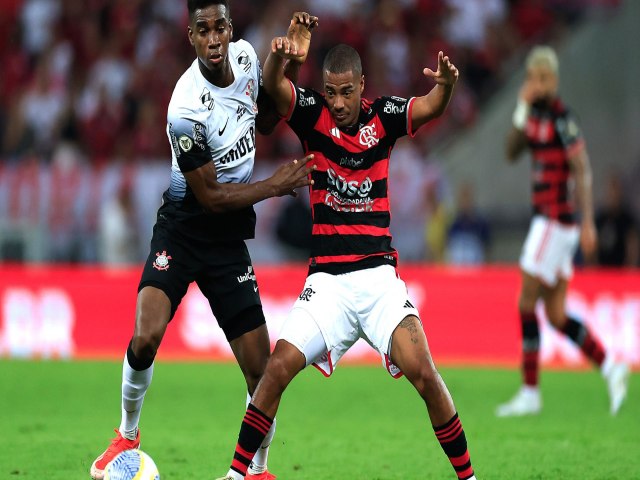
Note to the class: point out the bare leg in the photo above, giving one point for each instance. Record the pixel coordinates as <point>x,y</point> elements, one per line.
<point>410,352</point>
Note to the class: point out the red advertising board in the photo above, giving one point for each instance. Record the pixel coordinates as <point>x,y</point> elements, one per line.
<point>469,314</point>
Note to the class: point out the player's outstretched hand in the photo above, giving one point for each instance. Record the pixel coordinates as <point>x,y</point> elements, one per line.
<point>292,175</point>
<point>446,74</point>
<point>299,32</point>
<point>285,48</point>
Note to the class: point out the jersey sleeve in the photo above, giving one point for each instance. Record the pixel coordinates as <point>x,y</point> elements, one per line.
<point>569,133</point>
<point>395,115</point>
<point>189,142</point>
<point>305,109</point>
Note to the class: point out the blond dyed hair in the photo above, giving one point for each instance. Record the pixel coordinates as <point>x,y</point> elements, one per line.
<point>543,56</point>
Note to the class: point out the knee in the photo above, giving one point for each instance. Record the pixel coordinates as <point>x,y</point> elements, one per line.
<point>527,302</point>
<point>146,339</point>
<point>253,373</point>
<point>556,318</point>
<point>278,373</point>
<point>424,377</point>
<point>145,345</point>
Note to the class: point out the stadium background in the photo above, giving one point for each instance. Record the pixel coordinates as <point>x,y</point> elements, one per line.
<point>84,161</point>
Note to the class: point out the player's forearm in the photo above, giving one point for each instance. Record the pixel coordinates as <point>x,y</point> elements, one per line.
<point>292,70</point>
<point>275,82</point>
<point>226,197</point>
<point>431,105</point>
<point>583,178</point>
<point>516,143</point>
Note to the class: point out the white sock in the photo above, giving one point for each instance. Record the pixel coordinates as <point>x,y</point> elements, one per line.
<point>259,462</point>
<point>530,390</point>
<point>134,386</point>
<point>235,475</point>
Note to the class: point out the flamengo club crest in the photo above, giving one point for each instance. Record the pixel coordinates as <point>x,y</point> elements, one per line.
<point>162,261</point>
<point>368,136</point>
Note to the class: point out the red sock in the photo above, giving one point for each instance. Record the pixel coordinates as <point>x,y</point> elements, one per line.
<point>255,427</point>
<point>454,443</point>
<point>581,336</point>
<point>530,348</point>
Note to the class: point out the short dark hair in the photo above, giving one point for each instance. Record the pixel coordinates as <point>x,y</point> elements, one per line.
<point>342,58</point>
<point>193,5</point>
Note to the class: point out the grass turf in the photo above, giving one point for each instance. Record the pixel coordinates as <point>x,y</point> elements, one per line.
<point>360,424</point>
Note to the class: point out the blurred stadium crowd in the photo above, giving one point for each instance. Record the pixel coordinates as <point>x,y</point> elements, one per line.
<point>84,88</point>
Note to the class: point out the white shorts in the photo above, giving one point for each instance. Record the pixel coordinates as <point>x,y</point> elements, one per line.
<point>334,311</point>
<point>549,249</point>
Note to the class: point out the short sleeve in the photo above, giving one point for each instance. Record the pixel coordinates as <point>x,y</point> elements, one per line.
<point>305,109</point>
<point>189,143</point>
<point>394,113</point>
<point>569,132</point>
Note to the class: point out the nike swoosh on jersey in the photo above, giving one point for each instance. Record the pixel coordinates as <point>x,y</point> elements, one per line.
<point>220,132</point>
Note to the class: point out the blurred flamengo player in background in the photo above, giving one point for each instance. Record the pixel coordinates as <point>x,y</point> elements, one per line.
<point>207,213</point>
<point>353,290</point>
<point>542,123</point>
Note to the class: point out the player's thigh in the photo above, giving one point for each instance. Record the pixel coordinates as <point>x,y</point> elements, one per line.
<point>325,301</point>
<point>302,332</point>
<point>153,312</point>
<point>229,283</point>
<point>410,350</point>
<point>386,300</point>
<point>251,350</point>
<point>540,256</point>
<point>167,273</point>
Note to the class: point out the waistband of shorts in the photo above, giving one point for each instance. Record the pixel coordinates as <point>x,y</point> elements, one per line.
<point>340,268</point>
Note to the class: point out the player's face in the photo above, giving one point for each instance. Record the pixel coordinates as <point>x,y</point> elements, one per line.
<point>343,92</point>
<point>210,32</point>
<point>542,83</point>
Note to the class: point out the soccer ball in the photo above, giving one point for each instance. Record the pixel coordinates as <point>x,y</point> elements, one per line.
<point>131,465</point>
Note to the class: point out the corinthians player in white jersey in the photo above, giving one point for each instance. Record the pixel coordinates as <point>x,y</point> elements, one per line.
<point>207,211</point>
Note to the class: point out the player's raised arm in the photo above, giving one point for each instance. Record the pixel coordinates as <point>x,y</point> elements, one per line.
<point>516,138</point>
<point>217,197</point>
<point>299,32</point>
<point>434,103</point>
<point>285,53</point>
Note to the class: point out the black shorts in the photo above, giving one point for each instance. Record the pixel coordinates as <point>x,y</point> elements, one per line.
<point>222,270</point>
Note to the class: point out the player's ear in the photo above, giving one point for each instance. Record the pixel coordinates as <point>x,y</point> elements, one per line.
<point>361,84</point>
<point>190,35</point>
<point>230,30</point>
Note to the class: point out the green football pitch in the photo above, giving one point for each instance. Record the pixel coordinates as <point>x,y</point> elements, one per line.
<point>360,424</point>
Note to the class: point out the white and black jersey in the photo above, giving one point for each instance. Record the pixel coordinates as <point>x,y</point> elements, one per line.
<point>206,123</point>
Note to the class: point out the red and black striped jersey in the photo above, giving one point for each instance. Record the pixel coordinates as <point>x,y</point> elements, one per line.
<point>553,137</point>
<point>349,197</point>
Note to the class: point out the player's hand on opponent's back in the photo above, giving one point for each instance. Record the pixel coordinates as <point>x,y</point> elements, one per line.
<point>446,74</point>
<point>299,32</point>
<point>292,175</point>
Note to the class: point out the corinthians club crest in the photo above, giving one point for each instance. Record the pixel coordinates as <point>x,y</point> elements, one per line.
<point>162,261</point>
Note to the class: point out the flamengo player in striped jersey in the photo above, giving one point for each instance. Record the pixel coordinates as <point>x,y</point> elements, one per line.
<point>352,290</point>
<point>207,213</point>
<point>543,123</point>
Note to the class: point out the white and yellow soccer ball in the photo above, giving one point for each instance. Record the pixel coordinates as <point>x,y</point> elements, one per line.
<point>132,465</point>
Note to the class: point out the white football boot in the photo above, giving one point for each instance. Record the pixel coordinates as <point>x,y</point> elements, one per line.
<point>527,401</point>
<point>617,378</point>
